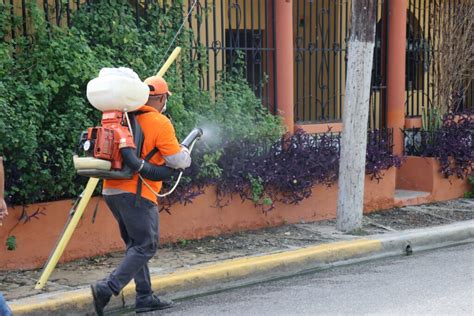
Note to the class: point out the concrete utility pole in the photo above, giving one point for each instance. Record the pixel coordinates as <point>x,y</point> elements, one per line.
<point>355,115</point>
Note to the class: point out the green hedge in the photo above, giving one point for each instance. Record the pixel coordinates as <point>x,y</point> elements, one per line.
<point>42,91</point>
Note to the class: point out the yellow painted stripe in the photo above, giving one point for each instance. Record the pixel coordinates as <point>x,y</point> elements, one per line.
<point>233,268</point>
<point>246,266</point>
<point>77,299</point>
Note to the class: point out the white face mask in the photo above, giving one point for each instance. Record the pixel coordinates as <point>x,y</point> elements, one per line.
<point>164,106</point>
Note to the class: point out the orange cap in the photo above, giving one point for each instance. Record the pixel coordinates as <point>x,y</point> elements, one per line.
<point>157,85</point>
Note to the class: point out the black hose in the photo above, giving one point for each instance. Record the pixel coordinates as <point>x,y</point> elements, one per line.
<point>148,171</point>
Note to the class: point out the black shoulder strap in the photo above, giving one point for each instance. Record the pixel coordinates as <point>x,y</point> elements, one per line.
<point>137,132</point>
<point>151,154</point>
<point>138,195</point>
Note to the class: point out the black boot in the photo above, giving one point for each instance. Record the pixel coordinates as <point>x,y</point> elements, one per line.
<point>101,293</point>
<point>151,303</point>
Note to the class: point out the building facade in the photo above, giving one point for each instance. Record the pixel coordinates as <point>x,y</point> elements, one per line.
<point>294,54</point>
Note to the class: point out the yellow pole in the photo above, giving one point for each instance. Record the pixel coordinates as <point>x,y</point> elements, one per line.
<point>169,61</point>
<point>58,251</point>
<point>86,196</point>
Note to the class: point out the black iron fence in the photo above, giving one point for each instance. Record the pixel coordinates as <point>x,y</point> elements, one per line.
<point>322,30</point>
<point>228,35</point>
<point>236,35</point>
<point>419,48</point>
<point>415,141</point>
<point>56,12</point>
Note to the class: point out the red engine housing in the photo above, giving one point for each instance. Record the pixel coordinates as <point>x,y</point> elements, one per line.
<point>110,137</point>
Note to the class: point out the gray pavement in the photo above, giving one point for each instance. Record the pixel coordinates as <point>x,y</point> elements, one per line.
<point>186,254</point>
<point>437,282</point>
<point>200,267</point>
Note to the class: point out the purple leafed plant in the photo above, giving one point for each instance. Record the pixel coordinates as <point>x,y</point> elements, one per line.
<point>284,171</point>
<point>380,155</point>
<point>452,144</point>
<point>297,163</point>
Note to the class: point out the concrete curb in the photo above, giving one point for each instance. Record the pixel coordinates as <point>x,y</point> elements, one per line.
<point>237,272</point>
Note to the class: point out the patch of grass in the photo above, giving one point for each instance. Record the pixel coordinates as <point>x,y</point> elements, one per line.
<point>11,243</point>
<point>470,194</point>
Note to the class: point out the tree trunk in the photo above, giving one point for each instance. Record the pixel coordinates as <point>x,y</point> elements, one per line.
<point>355,116</point>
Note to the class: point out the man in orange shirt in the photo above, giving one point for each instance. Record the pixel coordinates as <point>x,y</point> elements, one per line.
<point>138,218</point>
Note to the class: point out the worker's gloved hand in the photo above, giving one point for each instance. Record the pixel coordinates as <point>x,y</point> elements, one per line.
<point>187,153</point>
<point>186,149</point>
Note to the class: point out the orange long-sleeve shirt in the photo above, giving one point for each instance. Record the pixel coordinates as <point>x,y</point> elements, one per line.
<point>158,132</point>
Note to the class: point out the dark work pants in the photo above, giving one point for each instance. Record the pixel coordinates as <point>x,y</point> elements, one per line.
<point>139,230</point>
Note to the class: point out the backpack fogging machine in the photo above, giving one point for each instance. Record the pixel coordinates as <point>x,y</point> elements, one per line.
<point>113,149</point>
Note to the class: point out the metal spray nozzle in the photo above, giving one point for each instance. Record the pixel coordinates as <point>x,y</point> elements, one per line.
<point>192,136</point>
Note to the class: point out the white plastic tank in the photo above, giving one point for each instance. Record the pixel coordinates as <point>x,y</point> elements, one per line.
<point>117,89</point>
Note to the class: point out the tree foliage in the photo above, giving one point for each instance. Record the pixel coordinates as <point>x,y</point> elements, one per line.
<point>43,80</point>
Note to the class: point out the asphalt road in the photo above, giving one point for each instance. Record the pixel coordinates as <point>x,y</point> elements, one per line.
<point>439,282</point>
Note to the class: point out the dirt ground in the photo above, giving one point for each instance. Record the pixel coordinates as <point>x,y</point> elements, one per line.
<point>188,253</point>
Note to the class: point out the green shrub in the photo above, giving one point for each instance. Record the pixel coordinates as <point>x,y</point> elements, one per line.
<point>470,194</point>
<point>43,83</point>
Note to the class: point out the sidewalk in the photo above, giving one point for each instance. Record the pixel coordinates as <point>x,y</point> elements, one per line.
<point>195,267</point>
